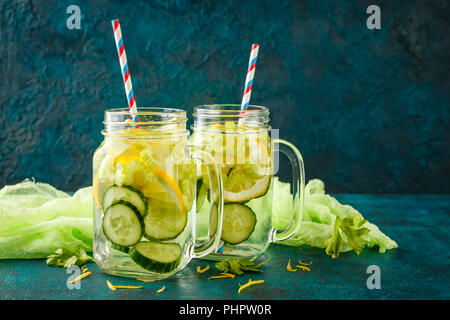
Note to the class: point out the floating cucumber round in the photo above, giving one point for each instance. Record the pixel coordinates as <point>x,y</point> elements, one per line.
<point>213,220</point>
<point>155,256</point>
<point>120,248</point>
<point>122,224</point>
<point>163,220</point>
<point>202,192</point>
<point>126,193</point>
<point>238,222</point>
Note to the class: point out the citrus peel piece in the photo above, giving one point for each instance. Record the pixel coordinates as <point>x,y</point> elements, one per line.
<point>161,290</point>
<point>289,268</point>
<point>114,288</point>
<point>82,276</point>
<point>110,285</point>
<point>219,277</point>
<point>199,270</point>
<point>305,264</point>
<point>304,268</point>
<point>145,280</point>
<point>261,263</point>
<point>249,283</point>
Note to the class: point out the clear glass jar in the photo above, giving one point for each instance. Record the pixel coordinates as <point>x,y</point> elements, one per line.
<point>244,145</point>
<point>144,185</point>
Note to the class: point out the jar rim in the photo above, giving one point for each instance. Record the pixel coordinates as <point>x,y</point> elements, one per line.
<point>256,118</point>
<point>144,135</point>
<point>230,110</point>
<point>148,115</point>
<point>147,111</point>
<point>158,121</point>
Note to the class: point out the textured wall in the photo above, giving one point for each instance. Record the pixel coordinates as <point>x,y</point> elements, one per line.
<point>369,110</point>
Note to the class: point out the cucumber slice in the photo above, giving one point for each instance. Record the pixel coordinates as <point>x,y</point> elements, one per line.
<point>238,223</point>
<point>202,192</point>
<point>119,248</point>
<point>213,220</point>
<point>163,220</point>
<point>155,256</point>
<point>122,224</point>
<point>126,193</point>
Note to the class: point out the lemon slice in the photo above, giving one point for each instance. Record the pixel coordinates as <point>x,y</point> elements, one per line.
<point>155,183</point>
<point>127,155</point>
<point>251,179</point>
<point>240,187</point>
<point>172,187</point>
<point>244,157</point>
<point>97,189</point>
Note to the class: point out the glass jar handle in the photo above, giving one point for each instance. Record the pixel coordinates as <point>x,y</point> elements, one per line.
<point>298,184</point>
<point>215,179</point>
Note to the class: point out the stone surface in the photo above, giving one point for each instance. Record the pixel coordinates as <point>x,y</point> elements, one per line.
<point>418,269</point>
<point>369,110</point>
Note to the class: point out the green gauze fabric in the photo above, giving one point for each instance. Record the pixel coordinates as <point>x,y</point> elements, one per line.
<point>36,219</point>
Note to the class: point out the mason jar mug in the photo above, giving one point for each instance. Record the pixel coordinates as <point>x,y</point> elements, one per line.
<point>144,189</point>
<point>247,150</point>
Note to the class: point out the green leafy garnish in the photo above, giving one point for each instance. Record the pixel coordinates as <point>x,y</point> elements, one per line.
<point>352,228</point>
<point>237,266</point>
<point>67,259</point>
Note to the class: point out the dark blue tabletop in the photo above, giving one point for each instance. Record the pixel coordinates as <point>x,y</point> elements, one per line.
<point>418,269</point>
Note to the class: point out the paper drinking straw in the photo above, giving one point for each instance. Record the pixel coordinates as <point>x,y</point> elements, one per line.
<point>125,71</point>
<point>249,79</point>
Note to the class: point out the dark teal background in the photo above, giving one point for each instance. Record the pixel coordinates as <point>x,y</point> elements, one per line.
<point>369,110</point>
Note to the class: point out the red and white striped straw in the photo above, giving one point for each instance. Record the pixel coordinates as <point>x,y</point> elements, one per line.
<point>125,71</point>
<point>250,75</point>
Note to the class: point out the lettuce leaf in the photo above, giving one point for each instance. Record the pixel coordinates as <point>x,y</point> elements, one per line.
<point>326,223</point>
<point>67,259</point>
